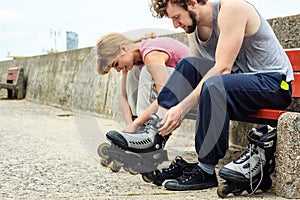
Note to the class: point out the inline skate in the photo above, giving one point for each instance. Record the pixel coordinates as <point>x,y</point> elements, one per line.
<point>251,171</point>
<point>139,152</point>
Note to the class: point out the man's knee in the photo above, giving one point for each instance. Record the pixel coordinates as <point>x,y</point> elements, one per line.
<point>187,63</point>
<point>213,87</point>
<point>194,66</point>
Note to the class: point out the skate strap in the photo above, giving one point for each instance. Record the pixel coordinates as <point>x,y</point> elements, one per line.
<point>260,143</point>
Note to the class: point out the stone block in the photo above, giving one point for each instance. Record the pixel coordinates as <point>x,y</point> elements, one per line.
<point>288,156</point>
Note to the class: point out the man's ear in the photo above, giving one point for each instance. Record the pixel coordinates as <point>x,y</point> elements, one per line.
<point>192,3</point>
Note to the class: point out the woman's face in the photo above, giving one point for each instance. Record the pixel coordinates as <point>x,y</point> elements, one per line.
<point>124,62</point>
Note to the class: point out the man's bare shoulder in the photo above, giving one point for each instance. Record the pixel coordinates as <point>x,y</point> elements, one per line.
<point>233,12</point>
<point>234,5</point>
<point>240,11</point>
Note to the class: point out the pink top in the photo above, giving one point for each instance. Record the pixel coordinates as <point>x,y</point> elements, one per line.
<point>175,49</point>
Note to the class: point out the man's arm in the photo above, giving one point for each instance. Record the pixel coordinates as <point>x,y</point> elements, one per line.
<point>232,22</point>
<point>192,46</point>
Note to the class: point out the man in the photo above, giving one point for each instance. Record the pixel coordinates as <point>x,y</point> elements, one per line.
<point>240,67</point>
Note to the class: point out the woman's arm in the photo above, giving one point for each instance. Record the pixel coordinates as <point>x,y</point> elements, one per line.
<point>155,61</point>
<point>145,116</point>
<point>125,108</point>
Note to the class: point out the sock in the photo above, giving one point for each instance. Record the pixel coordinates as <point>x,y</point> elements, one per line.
<point>208,168</point>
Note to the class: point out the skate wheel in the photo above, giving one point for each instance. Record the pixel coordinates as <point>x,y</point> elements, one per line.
<point>132,172</point>
<point>221,191</point>
<point>102,150</point>
<point>115,166</point>
<point>266,185</point>
<point>125,169</point>
<point>146,179</point>
<point>104,162</point>
<point>249,191</point>
<point>237,193</point>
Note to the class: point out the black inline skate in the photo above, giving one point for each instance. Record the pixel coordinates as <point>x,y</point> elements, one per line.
<point>172,172</point>
<point>139,152</point>
<point>251,171</point>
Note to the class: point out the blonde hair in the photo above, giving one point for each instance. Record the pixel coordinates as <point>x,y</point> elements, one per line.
<point>108,47</point>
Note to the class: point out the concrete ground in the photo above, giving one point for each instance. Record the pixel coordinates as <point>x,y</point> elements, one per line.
<point>50,153</point>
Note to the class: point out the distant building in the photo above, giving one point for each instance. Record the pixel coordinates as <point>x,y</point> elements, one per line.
<point>72,40</point>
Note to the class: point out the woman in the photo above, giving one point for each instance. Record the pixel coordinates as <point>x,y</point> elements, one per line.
<point>145,65</point>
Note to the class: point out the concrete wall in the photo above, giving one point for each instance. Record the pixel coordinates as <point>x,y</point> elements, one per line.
<point>287,30</point>
<point>69,80</point>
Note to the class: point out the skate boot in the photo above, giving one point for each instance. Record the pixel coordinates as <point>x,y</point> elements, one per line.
<point>172,172</point>
<point>146,140</point>
<point>139,152</point>
<point>251,171</point>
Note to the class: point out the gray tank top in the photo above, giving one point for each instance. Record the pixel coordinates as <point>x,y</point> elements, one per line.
<point>259,53</point>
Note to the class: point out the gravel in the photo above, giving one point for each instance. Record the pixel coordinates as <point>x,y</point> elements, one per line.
<point>43,157</point>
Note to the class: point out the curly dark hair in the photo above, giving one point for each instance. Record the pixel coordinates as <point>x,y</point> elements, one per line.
<point>158,7</point>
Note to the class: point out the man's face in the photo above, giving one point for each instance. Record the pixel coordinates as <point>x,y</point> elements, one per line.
<point>191,28</point>
<point>182,18</point>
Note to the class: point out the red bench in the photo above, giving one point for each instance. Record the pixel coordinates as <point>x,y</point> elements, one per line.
<point>14,83</point>
<point>267,115</point>
<point>273,115</point>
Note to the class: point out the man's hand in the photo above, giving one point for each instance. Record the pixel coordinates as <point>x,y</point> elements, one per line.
<point>172,120</point>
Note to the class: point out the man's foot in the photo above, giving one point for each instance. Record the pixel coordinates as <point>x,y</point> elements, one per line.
<point>193,178</point>
<point>174,171</point>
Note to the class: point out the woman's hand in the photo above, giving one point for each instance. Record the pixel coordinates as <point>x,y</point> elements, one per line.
<point>131,128</point>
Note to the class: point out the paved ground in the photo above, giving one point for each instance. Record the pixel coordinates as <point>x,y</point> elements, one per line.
<point>49,153</point>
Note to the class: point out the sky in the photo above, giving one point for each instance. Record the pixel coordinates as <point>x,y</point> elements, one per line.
<point>31,27</point>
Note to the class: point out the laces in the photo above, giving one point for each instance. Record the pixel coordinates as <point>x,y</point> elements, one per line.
<point>251,171</point>
<point>246,154</point>
<point>190,172</point>
<point>175,164</point>
<point>148,126</point>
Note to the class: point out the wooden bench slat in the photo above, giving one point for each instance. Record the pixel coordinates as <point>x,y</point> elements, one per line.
<point>12,77</point>
<point>12,74</point>
<point>294,57</point>
<point>296,86</point>
<point>267,114</point>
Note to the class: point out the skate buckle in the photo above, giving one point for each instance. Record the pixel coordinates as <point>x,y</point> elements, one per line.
<point>268,144</point>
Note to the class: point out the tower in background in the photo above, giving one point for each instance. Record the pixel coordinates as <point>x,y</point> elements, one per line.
<point>72,40</point>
